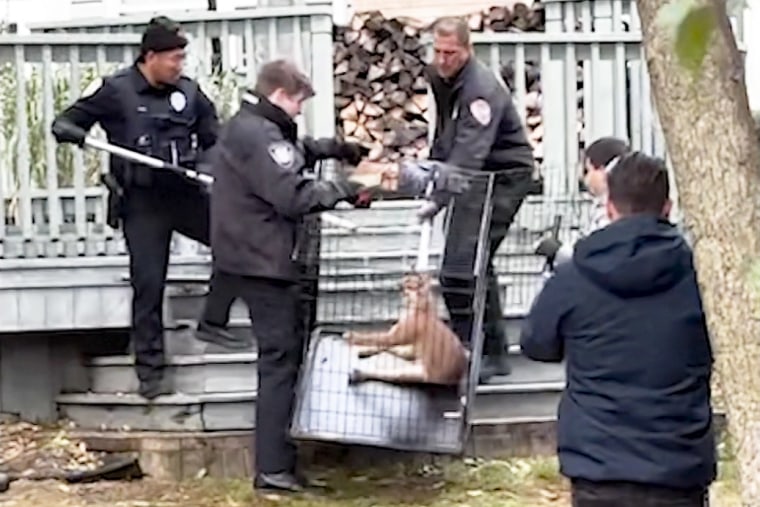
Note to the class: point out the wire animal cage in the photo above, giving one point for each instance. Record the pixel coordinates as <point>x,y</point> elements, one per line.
<point>395,314</point>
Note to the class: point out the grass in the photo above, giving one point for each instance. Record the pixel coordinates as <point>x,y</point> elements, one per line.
<point>471,483</point>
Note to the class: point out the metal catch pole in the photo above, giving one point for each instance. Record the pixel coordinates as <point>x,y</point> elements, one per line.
<point>423,252</point>
<point>206,179</point>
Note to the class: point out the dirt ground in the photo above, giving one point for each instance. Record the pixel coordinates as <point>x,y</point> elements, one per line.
<point>517,483</point>
<point>27,451</point>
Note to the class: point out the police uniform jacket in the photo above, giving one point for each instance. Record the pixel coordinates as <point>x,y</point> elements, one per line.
<point>478,128</point>
<point>260,193</point>
<point>174,123</point>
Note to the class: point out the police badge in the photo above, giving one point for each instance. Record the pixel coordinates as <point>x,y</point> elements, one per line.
<point>178,101</point>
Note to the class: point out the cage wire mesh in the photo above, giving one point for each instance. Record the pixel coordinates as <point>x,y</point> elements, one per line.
<point>395,347</point>
<point>520,271</point>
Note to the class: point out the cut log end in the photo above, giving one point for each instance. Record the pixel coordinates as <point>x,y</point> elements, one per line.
<point>381,92</point>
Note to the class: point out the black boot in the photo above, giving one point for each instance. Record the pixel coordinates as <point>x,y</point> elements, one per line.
<point>495,361</point>
<point>152,388</point>
<point>282,481</point>
<point>494,366</point>
<point>217,335</point>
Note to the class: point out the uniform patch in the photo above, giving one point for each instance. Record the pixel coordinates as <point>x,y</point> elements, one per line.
<point>178,101</point>
<point>481,111</point>
<point>282,153</point>
<point>95,85</point>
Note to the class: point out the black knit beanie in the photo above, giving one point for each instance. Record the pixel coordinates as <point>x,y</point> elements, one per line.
<point>162,34</point>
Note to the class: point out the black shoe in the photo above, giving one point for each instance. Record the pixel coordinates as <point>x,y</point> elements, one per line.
<point>153,388</point>
<point>494,366</point>
<point>217,335</point>
<point>282,481</point>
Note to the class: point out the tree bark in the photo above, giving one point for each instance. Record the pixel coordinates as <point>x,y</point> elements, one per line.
<point>716,160</point>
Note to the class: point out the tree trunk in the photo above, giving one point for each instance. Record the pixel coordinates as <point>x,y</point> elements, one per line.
<point>715,156</point>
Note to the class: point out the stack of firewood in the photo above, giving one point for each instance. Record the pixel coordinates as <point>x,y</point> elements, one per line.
<point>380,89</point>
<point>381,94</point>
<point>533,117</point>
<point>520,18</point>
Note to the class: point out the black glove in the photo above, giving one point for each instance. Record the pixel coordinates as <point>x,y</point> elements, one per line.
<point>66,132</point>
<point>363,200</point>
<point>451,182</point>
<point>548,247</point>
<point>351,153</point>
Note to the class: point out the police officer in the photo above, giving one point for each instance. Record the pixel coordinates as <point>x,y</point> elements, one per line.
<point>260,197</point>
<point>477,129</point>
<point>151,108</point>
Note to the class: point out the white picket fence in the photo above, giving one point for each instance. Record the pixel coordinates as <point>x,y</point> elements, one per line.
<point>54,206</point>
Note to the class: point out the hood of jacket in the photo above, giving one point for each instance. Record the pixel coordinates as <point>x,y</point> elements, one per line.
<point>635,256</point>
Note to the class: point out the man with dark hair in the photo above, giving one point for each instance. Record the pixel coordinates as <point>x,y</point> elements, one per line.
<point>260,197</point>
<point>602,151</point>
<point>599,159</point>
<point>152,108</point>
<point>635,420</point>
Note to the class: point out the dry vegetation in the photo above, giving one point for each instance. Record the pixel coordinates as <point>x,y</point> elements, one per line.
<point>516,483</point>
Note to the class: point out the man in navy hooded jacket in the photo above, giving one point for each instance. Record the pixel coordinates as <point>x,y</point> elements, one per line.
<point>635,420</point>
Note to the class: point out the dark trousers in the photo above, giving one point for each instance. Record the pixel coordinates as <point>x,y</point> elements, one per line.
<point>457,269</point>
<point>273,310</point>
<point>221,292</point>
<point>626,494</point>
<point>150,216</point>
<point>221,295</point>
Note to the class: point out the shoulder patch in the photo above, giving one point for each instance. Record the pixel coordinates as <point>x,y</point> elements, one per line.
<point>282,153</point>
<point>481,111</point>
<point>95,85</point>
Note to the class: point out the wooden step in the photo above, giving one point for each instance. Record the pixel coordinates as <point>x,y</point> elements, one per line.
<point>191,374</point>
<point>515,398</point>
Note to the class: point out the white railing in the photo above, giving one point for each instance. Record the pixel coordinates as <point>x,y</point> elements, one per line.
<point>594,82</point>
<point>53,204</point>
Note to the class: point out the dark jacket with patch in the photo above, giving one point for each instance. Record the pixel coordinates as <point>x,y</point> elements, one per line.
<point>497,144</point>
<point>627,316</point>
<point>260,194</point>
<point>174,123</point>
